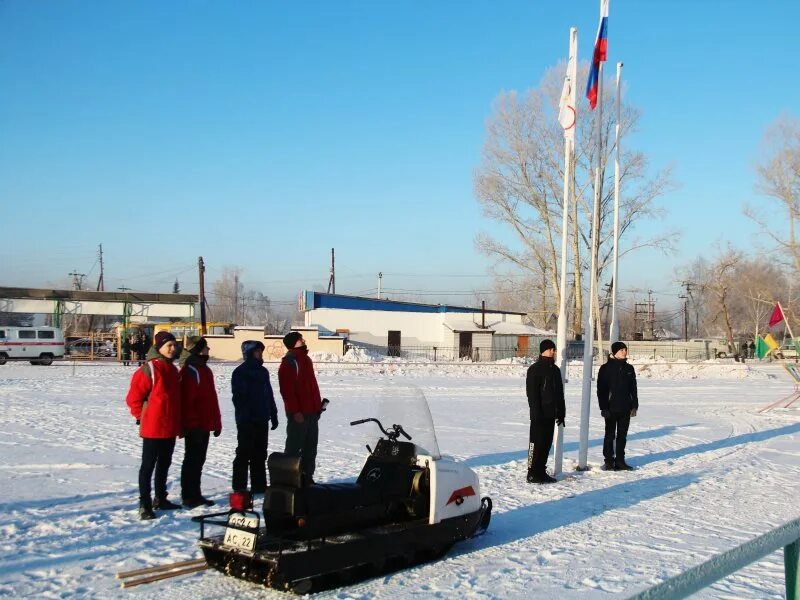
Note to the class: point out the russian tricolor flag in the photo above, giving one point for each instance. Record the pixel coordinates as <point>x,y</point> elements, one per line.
<point>600,55</point>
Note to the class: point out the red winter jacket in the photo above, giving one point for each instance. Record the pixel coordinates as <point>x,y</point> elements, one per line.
<point>298,383</point>
<point>155,398</point>
<point>199,397</point>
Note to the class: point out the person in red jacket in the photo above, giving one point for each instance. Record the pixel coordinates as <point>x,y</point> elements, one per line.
<point>154,399</point>
<point>303,403</point>
<point>200,414</point>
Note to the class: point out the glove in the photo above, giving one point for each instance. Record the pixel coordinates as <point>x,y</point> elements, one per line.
<point>605,414</point>
<point>560,422</point>
<point>217,432</point>
<point>138,421</point>
<point>633,412</point>
<point>274,424</point>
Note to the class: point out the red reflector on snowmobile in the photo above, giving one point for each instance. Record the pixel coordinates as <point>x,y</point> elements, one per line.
<point>240,500</point>
<point>461,493</point>
<point>301,522</point>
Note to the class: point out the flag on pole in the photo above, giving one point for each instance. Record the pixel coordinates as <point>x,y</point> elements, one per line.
<point>761,348</point>
<point>600,55</point>
<point>566,105</point>
<point>566,112</point>
<point>777,316</point>
<point>770,342</point>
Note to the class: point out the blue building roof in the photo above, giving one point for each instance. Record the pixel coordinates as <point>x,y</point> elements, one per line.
<point>321,300</point>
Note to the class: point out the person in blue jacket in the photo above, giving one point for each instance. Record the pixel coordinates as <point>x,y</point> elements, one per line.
<point>255,408</point>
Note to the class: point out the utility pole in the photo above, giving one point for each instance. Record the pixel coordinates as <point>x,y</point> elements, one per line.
<point>651,315</point>
<point>77,279</point>
<point>124,289</point>
<point>332,280</point>
<point>685,317</point>
<point>236,297</point>
<point>380,284</point>
<point>100,282</point>
<point>201,273</point>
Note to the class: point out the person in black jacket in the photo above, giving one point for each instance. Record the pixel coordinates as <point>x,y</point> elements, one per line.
<point>545,390</point>
<point>254,404</point>
<point>619,401</point>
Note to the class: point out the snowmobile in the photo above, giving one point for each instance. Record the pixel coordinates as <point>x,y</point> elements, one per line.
<point>409,505</point>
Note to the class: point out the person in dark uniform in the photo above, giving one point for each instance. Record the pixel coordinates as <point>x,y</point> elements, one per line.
<point>545,391</point>
<point>619,401</point>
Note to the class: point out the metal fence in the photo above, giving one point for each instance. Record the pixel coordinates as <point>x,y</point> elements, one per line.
<point>692,581</point>
<point>636,350</point>
<point>463,353</point>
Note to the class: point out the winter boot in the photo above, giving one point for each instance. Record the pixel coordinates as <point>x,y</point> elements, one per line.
<point>539,478</point>
<point>608,464</point>
<point>621,465</point>
<point>192,503</point>
<point>206,501</point>
<point>146,511</point>
<point>164,504</point>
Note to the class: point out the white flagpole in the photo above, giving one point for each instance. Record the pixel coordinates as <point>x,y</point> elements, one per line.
<point>588,341</point>
<point>614,333</point>
<point>785,320</point>
<point>569,141</point>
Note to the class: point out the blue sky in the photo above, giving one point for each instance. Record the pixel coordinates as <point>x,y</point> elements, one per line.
<point>261,134</point>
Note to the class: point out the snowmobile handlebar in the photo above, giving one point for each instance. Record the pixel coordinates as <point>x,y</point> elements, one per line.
<point>397,430</point>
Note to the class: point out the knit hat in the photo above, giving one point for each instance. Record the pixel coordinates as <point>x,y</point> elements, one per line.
<point>249,346</point>
<point>195,344</point>
<point>546,345</point>
<point>616,347</point>
<point>290,339</point>
<point>162,337</point>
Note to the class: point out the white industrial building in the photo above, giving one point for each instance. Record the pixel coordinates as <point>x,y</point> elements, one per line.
<point>416,329</point>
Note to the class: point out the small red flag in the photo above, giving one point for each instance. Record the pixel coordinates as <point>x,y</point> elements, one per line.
<point>777,316</point>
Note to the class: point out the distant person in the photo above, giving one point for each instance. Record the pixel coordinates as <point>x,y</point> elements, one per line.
<point>545,391</point>
<point>254,403</point>
<point>126,350</point>
<point>752,349</point>
<point>200,415</point>
<point>154,399</point>
<point>619,401</point>
<point>303,403</point>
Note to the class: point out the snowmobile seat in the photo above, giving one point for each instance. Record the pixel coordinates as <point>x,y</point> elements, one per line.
<point>284,470</point>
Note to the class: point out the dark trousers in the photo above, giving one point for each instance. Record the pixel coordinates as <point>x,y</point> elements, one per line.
<point>616,430</point>
<point>301,440</point>
<point>251,454</point>
<point>156,456</point>
<point>541,440</point>
<point>196,447</point>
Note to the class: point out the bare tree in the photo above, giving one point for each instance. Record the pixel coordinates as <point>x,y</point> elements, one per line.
<point>722,284</point>
<point>779,178</point>
<point>227,293</point>
<point>520,184</point>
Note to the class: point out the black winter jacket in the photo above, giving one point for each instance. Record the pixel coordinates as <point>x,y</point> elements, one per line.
<point>545,390</point>
<point>253,398</point>
<point>616,386</point>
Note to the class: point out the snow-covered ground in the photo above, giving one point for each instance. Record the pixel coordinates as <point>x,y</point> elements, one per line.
<point>712,473</point>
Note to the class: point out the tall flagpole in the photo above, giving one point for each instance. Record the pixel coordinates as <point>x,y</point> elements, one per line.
<point>569,144</point>
<point>614,333</point>
<point>588,342</point>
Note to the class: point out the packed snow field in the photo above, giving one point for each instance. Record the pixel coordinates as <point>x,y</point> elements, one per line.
<point>711,473</point>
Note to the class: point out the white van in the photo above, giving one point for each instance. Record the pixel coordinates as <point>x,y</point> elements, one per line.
<point>40,345</point>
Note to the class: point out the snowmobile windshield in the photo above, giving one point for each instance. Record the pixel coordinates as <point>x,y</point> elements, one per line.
<point>405,405</point>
